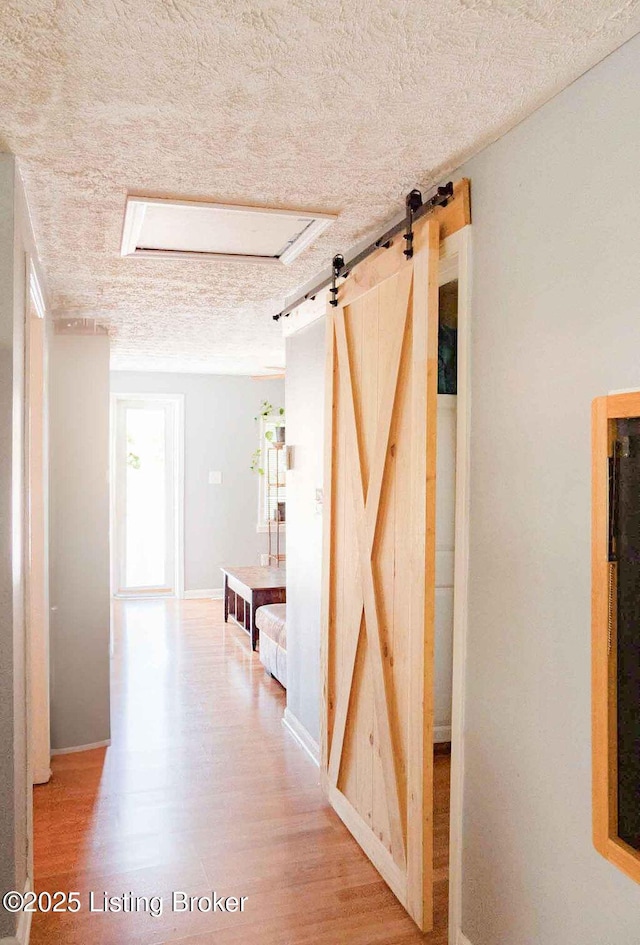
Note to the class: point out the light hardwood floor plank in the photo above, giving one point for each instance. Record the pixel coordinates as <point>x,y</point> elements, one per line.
<point>201,790</point>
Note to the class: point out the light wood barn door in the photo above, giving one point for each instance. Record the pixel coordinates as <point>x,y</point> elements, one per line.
<point>379,561</point>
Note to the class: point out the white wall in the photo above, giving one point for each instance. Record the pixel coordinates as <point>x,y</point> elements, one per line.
<point>15,786</point>
<point>79,535</point>
<point>305,433</point>
<point>220,434</point>
<point>556,321</point>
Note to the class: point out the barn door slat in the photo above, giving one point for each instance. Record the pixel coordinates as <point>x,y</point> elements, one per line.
<point>380,563</point>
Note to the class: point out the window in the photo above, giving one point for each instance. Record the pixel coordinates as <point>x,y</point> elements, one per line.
<point>271,466</point>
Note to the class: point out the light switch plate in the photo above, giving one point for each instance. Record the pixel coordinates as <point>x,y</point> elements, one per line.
<point>215,477</point>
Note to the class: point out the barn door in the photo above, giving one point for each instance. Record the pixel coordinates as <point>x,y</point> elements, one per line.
<point>379,559</point>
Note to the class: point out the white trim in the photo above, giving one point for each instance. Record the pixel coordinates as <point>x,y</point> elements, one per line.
<point>180,493</point>
<point>448,263</point>
<point>134,214</point>
<point>41,774</point>
<point>199,257</point>
<point>25,246</point>
<point>178,402</point>
<point>297,730</point>
<point>306,314</point>
<point>36,562</point>
<point>209,593</point>
<point>23,931</point>
<point>461,939</point>
<point>441,733</point>
<point>460,245</point>
<point>72,751</point>
<point>35,291</point>
<point>317,226</point>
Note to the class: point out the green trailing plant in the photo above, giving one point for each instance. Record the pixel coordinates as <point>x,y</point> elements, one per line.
<point>266,410</point>
<point>133,460</point>
<point>256,462</point>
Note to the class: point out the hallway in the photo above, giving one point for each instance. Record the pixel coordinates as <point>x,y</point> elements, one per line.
<point>203,789</point>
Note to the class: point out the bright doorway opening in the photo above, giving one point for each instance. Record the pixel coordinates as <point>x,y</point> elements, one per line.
<point>147,495</point>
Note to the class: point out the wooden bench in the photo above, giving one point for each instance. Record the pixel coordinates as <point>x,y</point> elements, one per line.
<point>246,589</point>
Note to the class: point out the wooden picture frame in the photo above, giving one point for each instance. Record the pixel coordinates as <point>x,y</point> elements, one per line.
<point>606,414</point>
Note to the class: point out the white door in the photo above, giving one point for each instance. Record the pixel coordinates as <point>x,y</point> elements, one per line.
<point>148,495</point>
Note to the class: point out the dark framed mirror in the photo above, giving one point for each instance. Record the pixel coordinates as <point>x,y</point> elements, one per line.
<point>616,630</point>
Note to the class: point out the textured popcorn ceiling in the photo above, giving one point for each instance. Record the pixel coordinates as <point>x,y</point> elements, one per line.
<point>289,103</point>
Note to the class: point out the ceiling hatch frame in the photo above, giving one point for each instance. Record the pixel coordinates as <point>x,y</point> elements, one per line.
<point>301,228</point>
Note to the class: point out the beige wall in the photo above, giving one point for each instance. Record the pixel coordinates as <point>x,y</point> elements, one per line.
<point>220,434</point>
<point>79,557</point>
<point>305,433</point>
<point>555,322</point>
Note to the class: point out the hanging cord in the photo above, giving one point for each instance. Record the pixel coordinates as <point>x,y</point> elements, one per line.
<point>620,448</point>
<point>612,604</point>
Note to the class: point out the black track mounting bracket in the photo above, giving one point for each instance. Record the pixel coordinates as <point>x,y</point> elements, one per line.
<point>337,265</point>
<point>416,208</point>
<point>413,203</point>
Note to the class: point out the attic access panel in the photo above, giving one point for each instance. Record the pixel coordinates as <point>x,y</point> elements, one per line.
<point>187,229</point>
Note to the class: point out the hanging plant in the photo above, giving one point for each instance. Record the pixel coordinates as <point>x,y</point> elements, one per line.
<point>267,410</point>
<point>133,460</point>
<point>256,462</point>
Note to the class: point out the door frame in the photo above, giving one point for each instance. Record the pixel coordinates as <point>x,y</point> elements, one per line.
<point>36,479</point>
<point>177,402</point>
<point>456,258</point>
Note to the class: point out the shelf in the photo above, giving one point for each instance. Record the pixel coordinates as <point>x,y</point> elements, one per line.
<point>277,558</point>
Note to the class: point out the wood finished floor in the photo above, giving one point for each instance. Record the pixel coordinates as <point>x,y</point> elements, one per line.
<point>203,789</point>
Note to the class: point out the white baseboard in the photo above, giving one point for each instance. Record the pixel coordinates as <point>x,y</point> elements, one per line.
<point>442,733</point>
<point>70,751</point>
<point>209,593</point>
<point>41,775</point>
<point>24,926</point>
<point>462,939</point>
<point>23,932</point>
<point>301,735</point>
